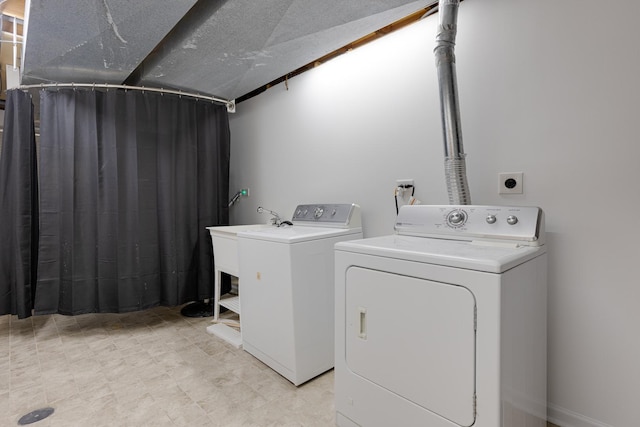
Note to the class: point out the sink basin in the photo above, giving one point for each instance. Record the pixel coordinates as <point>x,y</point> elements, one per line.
<point>225,245</point>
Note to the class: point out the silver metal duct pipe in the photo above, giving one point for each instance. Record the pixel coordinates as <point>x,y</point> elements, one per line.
<point>454,162</point>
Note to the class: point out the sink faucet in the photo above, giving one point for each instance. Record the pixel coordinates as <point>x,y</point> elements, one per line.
<point>276,220</point>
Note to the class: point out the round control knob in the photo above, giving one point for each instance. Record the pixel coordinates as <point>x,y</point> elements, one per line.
<point>512,219</point>
<point>318,212</point>
<point>456,218</point>
<point>334,212</point>
<point>491,219</point>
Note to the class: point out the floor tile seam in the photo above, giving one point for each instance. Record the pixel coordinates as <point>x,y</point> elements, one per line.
<point>13,332</point>
<point>52,401</point>
<point>18,389</point>
<point>199,406</point>
<point>26,373</point>
<point>12,363</point>
<point>49,344</point>
<point>42,353</point>
<point>192,397</point>
<point>155,403</point>
<point>69,344</point>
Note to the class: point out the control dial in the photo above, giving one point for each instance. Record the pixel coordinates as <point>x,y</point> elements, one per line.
<point>491,219</point>
<point>318,212</point>
<point>456,218</point>
<point>512,220</point>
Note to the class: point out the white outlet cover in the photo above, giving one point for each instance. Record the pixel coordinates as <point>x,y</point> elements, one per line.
<point>504,177</point>
<point>406,181</point>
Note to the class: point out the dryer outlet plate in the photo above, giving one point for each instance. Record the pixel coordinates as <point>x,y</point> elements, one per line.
<point>510,183</point>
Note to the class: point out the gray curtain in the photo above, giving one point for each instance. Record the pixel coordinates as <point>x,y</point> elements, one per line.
<point>19,204</point>
<point>129,181</point>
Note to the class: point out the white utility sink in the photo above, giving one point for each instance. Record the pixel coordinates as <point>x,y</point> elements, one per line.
<point>225,245</point>
<point>225,254</point>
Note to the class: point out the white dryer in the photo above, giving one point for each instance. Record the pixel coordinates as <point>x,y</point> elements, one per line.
<point>443,324</point>
<point>287,289</point>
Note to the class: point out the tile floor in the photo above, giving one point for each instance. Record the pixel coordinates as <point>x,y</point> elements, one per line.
<point>151,368</point>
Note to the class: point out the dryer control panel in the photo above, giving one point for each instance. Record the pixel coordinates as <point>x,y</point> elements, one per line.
<point>523,225</point>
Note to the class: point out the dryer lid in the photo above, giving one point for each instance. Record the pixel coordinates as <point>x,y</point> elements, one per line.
<point>491,258</point>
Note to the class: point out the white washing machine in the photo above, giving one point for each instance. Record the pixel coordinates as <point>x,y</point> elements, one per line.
<point>287,289</point>
<point>443,324</point>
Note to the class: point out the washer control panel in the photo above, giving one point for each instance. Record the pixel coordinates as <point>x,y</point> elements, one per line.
<point>522,224</point>
<point>340,215</point>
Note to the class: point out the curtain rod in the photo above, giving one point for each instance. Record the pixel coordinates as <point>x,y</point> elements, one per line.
<point>230,103</point>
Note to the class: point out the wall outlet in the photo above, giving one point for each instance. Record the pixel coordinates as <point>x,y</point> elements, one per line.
<point>404,182</point>
<point>510,183</point>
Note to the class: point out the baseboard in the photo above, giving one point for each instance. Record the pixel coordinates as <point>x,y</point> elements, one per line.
<point>566,418</point>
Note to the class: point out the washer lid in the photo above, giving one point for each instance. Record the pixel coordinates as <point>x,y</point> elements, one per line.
<point>478,256</point>
<point>296,234</point>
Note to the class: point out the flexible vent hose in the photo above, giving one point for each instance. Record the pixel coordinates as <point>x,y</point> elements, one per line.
<point>454,157</point>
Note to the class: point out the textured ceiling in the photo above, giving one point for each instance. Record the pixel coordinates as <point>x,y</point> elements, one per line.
<point>223,48</point>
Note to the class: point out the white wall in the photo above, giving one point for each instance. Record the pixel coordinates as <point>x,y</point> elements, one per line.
<point>548,88</point>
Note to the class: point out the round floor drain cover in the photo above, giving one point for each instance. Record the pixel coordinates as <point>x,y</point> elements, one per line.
<point>37,415</point>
